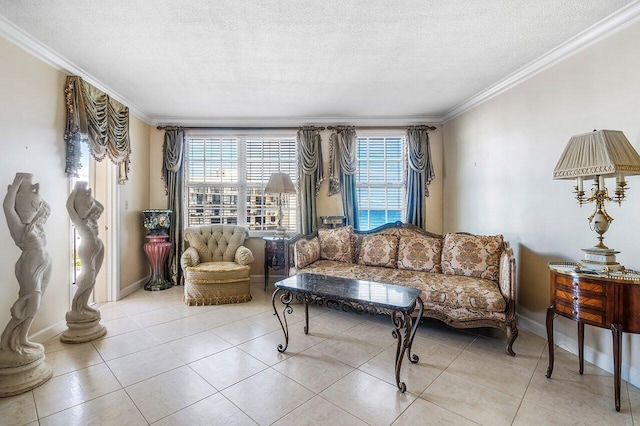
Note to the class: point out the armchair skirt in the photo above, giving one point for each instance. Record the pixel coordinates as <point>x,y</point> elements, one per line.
<point>217,283</point>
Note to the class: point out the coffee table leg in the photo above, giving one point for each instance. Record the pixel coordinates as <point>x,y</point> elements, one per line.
<point>285,298</point>
<point>414,358</point>
<point>306,313</point>
<point>402,323</point>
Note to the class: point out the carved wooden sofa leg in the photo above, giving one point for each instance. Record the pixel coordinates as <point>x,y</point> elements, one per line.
<point>512,334</point>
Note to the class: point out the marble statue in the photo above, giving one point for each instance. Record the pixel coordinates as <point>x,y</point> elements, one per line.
<point>22,365</point>
<point>84,321</point>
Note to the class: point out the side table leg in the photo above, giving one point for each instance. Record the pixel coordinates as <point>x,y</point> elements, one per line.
<point>285,298</point>
<point>616,329</point>
<point>266,274</point>
<point>581,346</point>
<point>402,323</point>
<point>550,314</point>
<point>414,358</point>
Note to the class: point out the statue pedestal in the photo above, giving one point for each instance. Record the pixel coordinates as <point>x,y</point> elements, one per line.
<point>21,373</point>
<point>157,249</point>
<point>83,331</point>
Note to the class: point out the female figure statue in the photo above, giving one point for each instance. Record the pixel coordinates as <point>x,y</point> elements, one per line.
<point>84,211</point>
<point>26,213</point>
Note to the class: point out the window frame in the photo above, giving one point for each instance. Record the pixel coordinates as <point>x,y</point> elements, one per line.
<point>401,184</point>
<point>243,185</point>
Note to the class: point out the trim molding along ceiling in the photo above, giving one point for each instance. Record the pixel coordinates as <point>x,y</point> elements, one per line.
<point>609,25</point>
<point>299,121</point>
<point>22,39</point>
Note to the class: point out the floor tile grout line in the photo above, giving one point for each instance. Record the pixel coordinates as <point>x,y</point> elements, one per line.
<point>80,403</point>
<point>515,415</point>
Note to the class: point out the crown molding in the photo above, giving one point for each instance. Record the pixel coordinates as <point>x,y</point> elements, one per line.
<point>295,121</point>
<point>607,26</point>
<point>22,39</point>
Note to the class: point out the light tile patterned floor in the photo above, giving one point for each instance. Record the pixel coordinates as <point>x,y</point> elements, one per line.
<point>165,363</point>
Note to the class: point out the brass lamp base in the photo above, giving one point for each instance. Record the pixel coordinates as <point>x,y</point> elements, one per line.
<point>281,232</point>
<point>601,260</point>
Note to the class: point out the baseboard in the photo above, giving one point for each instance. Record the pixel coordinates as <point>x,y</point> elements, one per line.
<point>131,288</point>
<point>595,357</point>
<point>49,332</point>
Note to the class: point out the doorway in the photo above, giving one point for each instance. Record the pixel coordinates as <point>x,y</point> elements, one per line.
<point>101,179</point>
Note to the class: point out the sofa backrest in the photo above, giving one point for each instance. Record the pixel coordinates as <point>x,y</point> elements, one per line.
<point>216,243</point>
<point>417,249</point>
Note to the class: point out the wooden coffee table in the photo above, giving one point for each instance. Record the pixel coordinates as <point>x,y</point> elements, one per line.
<point>354,295</point>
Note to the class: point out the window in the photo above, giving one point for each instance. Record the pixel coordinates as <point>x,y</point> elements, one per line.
<point>379,176</point>
<point>226,176</point>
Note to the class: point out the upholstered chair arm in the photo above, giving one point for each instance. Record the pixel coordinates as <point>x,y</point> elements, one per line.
<point>244,256</point>
<point>190,257</point>
<point>507,274</point>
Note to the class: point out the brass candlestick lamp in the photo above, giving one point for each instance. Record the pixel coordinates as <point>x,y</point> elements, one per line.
<point>598,155</point>
<point>280,183</point>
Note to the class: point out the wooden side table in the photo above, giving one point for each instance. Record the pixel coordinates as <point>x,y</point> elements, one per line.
<point>603,300</point>
<point>276,256</point>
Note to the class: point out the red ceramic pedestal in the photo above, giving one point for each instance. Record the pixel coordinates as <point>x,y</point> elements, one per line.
<point>157,249</point>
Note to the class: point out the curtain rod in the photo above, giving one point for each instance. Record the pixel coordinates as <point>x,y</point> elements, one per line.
<point>293,128</point>
<point>238,128</point>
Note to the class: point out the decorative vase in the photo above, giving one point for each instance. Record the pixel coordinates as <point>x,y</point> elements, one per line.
<point>157,221</point>
<point>157,248</point>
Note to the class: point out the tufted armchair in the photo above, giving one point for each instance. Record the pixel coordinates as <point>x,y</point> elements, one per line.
<point>216,265</point>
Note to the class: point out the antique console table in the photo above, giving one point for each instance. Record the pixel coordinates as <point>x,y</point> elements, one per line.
<point>359,296</point>
<point>605,300</point>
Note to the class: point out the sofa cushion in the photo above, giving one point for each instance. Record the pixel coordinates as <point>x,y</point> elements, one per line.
<point>379,250</point>
<point>472,255</point>
<point>336,244</point>
<point>306,252</point>
<point>420,253</point>
<point>452,291</point>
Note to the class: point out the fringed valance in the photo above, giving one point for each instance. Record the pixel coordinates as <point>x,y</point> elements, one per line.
<point>98,120</point>
<point>342,156</point>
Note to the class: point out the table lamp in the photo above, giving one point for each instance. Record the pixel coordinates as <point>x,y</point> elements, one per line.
<point>280,183</point>
<point>599,155</point>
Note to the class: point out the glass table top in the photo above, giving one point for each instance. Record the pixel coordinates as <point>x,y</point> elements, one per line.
<point>381,294</point>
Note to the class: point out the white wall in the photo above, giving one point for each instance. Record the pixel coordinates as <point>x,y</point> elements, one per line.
<point>499,159</point>
<point>32,123</point>
<point>32,120</point>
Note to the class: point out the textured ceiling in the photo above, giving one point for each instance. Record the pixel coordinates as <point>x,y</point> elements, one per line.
<point>186,61</point>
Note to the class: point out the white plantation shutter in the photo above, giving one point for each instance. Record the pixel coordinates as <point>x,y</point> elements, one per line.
<point>379,180</point>
<point>226,179</point>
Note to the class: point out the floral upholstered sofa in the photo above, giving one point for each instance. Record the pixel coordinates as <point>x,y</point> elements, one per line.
<point>466,280</point>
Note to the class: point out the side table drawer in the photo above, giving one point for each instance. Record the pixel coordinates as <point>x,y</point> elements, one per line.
<point>580,299</point>
<point>594,317</point>
<point>275,246</point>
<point>569,284</point>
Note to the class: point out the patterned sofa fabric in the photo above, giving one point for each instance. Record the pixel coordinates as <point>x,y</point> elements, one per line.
<point>418,253</point>
<point>306,252</point>
<point>336,244</point>
<point>465,280</point>
<point>476,294</point>
<point>472,255</point>
<point>378,250</point>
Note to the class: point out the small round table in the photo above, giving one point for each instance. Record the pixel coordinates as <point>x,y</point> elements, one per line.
<point>157,249</point>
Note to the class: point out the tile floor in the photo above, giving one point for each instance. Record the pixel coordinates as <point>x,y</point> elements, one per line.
<point>165,363</point>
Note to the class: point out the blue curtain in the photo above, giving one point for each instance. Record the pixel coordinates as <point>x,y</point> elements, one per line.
<point>310,176</point>
<point>419,174</point>
<point>172,174</point>
<point>342,176</point>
